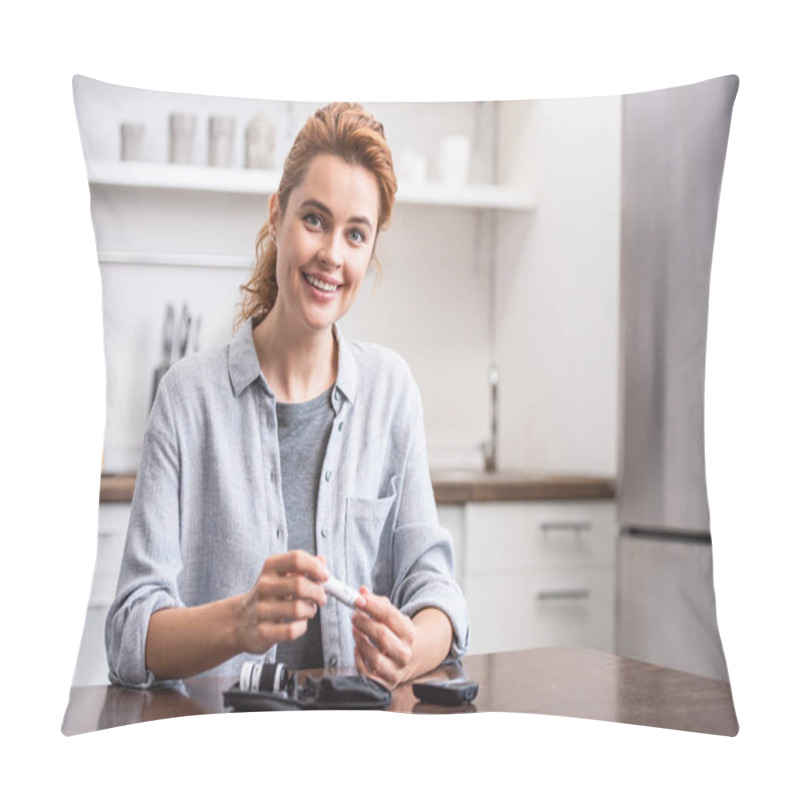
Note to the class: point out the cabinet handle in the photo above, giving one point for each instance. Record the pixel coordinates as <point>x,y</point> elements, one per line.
<point>576,527</point>
<point>563,594</point>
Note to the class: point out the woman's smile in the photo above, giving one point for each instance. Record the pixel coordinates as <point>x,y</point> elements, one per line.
<point>321,284</point>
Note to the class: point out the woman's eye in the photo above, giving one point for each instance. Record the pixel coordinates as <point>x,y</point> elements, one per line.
<point>313,219</point>
<point>357,236</point>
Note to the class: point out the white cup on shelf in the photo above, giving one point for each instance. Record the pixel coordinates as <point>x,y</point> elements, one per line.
<point>131,138</point>
<point>260,143</point>
<point>181,138</point>
<point>220,141</point>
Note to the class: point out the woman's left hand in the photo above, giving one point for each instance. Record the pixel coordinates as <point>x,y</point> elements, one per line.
<point>384,638</point>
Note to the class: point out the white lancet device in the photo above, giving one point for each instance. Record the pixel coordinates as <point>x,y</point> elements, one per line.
<point>341,591</point>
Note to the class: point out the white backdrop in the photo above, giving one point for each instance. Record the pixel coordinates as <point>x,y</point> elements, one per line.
<point>53,384</point>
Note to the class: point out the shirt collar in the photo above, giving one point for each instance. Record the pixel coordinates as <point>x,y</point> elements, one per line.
<point>347,370</point>
<point>243,366</point>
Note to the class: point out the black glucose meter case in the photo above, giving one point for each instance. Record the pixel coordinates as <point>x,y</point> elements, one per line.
<point>272,687</point>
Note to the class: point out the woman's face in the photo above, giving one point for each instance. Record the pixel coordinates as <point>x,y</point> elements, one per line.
<point>325,240</point>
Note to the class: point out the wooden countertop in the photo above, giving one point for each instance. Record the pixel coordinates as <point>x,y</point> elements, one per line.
<point>117,488</point>
<point>473,486</point>
<point>454,487</point>
<point>561,681</point>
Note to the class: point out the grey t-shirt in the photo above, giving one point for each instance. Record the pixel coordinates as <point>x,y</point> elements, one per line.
<point>303,433</point>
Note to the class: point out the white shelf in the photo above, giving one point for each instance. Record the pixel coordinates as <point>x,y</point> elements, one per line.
<point>245,181</point>
<point>181,176</point>
<point>150,259</point>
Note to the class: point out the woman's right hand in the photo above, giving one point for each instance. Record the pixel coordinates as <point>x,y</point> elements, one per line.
<point>285,596</point>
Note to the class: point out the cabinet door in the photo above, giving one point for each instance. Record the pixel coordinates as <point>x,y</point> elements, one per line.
<point>522,610</point>
<point>504,537</point>
<point>540,574</point>
<point>92,668</point>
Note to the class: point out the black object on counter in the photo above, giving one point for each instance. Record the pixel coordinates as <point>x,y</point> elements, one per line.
<point>454,692</point>
<point>278,690</point>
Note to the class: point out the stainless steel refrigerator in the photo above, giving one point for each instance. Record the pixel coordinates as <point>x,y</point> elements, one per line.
<point>673,154</point>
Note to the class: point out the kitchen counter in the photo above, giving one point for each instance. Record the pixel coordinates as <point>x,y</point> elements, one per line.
<point>454,486</point>
<point>117,488</point>
<point>474,486</point>
<point>561,681</point>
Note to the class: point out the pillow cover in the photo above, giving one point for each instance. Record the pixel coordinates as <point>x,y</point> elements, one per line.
<point>546,277</point>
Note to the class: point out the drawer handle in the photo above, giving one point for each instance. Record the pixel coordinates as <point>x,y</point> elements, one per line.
<point>563,594</point>
<point>575,527</point>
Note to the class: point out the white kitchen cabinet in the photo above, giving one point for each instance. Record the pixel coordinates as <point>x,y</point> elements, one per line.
<point>541,608</point>
<point>112,526</point>
<point>537,573</point>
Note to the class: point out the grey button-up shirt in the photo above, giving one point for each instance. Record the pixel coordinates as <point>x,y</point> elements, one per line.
<point>208,505</point>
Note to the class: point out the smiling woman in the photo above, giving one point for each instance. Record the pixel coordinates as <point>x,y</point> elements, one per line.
<point>291,455</point>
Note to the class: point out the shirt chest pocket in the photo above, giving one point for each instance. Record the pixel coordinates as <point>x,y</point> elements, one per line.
<point>366,537</point>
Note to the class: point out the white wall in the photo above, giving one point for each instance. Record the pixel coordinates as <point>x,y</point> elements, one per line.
<point>547,313</point>
<point>557,286</point>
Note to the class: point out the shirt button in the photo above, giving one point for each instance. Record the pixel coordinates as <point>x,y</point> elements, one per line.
<point>324,533</point>
<point>280,533</point>
<point>328,476</point>
<point>341,425</point>
<point>335,395</point>
<point>333,661</point>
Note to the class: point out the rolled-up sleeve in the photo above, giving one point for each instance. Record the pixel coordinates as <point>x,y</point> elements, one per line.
<point>422,549</point>
<point>152,555</point>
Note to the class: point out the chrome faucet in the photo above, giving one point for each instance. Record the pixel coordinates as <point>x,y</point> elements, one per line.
<point>490,448</point>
